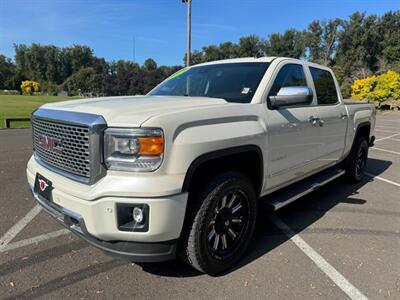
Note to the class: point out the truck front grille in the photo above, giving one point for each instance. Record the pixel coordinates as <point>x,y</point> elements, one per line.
<point>69,143</point>
<point>70,152</point>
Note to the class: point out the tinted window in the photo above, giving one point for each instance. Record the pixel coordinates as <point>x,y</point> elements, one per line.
<point>289,75</point>
<point>234,82</point>
<point>324,86</point>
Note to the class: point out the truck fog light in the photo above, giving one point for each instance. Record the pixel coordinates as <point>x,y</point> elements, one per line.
<point>133,217</point>
<point>137,214</point>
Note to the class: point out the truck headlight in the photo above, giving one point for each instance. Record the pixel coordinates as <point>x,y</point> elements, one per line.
<point>139,149</point>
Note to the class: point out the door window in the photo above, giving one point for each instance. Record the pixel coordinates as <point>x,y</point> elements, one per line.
<point>324,86</point>
<point>289,75</point>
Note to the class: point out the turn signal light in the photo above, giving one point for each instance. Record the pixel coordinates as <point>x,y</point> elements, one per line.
<point>151,145</point>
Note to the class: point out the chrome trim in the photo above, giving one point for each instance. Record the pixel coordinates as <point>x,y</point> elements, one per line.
<point>96,125</point>
<point>66,174</point>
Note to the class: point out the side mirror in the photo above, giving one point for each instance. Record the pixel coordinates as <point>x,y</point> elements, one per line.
<point>291,95</point>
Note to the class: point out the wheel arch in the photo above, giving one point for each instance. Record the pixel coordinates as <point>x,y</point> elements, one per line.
<point>217,159</point>
<point>364,130</point>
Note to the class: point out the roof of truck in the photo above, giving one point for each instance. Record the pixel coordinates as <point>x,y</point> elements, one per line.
<point>267,59</point>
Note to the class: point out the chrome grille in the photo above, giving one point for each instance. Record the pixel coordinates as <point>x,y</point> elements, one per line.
<point>74,156</point>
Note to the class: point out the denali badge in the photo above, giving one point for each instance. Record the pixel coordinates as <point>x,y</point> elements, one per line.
<point>50,143</point>
<point>42,184</point>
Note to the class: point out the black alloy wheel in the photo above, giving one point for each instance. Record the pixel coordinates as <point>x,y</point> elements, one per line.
<point>356,162</point>
<point>220,222</point>
<point>229,220</point>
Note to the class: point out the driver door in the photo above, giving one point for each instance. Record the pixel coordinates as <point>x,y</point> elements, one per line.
<point>292,135</point>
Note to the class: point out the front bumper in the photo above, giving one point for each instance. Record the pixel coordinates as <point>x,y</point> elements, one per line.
<point>135,251</point>
<point>96,220</point>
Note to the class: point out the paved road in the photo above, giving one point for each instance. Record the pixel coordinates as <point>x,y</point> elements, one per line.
<point>348,234</point>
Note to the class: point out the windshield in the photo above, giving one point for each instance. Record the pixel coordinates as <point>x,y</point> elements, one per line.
<point>234,82</point>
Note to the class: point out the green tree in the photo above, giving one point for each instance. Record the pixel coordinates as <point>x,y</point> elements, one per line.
<point>388,30</point>
<point>289,44</point>
<point>250,46</point>
<point>314,41</point>
<point>150,65</point>
<point>86,80</point>
<point>7,73</point>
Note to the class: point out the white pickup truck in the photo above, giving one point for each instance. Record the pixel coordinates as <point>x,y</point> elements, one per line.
<point>180,171</point>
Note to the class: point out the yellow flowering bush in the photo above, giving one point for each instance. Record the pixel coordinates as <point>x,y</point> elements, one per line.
<point>378,88</point>
<point>30,86</point>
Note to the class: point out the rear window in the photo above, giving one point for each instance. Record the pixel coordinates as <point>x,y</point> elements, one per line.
<point>324,86</point>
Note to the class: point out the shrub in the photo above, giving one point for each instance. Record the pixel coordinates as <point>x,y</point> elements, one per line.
<point>30,87</point>
<point>50,88</point>
<point>378,88</point>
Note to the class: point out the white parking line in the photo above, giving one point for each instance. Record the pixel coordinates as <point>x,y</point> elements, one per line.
<point>386,120</point>
<point>383,179</point>
<point>321,263</point>
<point>384,126</point>
<point>384,150</point>
<point>36,239</point>
<point>387,137</point>
<point>13,231</point>
<point>387,131</point>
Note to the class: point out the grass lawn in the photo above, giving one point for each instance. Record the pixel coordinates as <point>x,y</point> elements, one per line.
<point>21,106</point>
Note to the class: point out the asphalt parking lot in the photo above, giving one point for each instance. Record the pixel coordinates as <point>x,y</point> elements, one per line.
<point>342,241</point>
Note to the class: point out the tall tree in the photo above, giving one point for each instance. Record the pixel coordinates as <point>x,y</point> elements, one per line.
<point>250,46</point>
<point>289,44</point>
<point>150,65</point>
<point>314,41</point>
<point>388,30</point>
<point>330,35</point>
<point>7,73</point>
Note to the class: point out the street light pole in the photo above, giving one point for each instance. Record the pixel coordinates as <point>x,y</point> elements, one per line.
<point>189,25</point>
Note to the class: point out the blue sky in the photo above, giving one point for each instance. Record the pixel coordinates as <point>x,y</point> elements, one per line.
<point>159,26</point>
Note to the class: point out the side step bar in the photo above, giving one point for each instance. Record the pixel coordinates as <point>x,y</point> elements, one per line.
<point>299,189</point>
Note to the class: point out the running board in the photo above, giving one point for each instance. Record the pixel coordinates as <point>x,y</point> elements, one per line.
<point>299,189</point>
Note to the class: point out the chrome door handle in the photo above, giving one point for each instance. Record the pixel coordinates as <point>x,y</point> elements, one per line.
<point>343,116</point>
<point>313,120</point>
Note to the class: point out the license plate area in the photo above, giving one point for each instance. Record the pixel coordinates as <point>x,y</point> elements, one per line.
<point>43,187</point>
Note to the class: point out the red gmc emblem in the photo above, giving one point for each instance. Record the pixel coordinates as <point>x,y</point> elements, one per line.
<point>50,143</point>
<point>42,184</point>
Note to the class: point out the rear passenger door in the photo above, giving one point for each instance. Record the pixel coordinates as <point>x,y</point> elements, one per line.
<point>332,114</point>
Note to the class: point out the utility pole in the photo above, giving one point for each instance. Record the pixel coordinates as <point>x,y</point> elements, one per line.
<point>189,25</point>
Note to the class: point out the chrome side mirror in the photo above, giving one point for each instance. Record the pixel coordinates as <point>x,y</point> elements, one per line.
<point>291,95</point>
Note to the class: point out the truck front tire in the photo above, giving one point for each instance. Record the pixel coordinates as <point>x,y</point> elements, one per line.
<point>219,224</point>
<point>356,162</point>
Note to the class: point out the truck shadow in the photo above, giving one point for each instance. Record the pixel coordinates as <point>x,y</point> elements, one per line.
<point>302,213</point>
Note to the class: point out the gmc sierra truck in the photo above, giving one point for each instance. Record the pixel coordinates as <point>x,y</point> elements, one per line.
<point>180,172</point>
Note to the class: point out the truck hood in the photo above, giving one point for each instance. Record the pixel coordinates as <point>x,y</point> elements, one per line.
<point>133,110</point>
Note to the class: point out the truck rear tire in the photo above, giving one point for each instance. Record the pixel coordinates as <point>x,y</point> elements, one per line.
<point>356,162</point>
<point>219,224</point>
